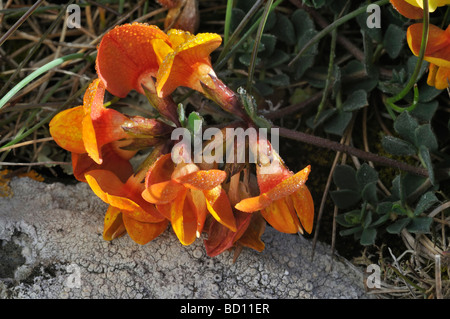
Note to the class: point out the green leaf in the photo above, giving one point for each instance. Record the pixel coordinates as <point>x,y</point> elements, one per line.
<point>366,175</point>
<point>181,114</point>
<point>368,236</point>
<point>349,219</point>
<point>314,3</point>
<point>394,39</point>
<point>246,58</point>
<point>345,198</point>
<point>425,202</point>
<point>302,22</point>
<point>380,220</point>
<point>338,123</point>
<point>428,93</point>
<point>420,225</point>
<point>384,208</point>
<point>354,69</point>
<point>324,116</point>
<point>344,177</point>
<point>236,17</point>
<point>367,219</point>
<point>355,101</point>
<point>278,80</point>
<point>269,42</point>
<point>369,193</point>
<point>284,29</point>
<point>398,226</point>
<point>424,154</point>
<point>277,58</point>
<point>425,137</point>
<point>194,122</point>
<point>397,146</point>
<point>405,125</point>
<point>425,111</point>
<point>351,231</point>
<point>307,59</point>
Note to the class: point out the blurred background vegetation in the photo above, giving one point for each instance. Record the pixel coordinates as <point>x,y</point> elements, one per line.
<point>380,179</point>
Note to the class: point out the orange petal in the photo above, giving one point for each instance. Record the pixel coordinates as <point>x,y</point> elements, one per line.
<point>113,224</point>
<point>289,185</point>
<point>199,47</point>
<point>66,129</point>
<point>100,125</point>
<point>107,186</point>
<point>252,235</point>
<point>304,206</point>
<point>281,217</point>
<point>438,45</point>
<point>442,78</point>
<point>221,238</point>
<point>142,233</point>
<point>271,175</point>
<point>82,163</point>
<point>126,56</point>
<point>253,204</point>
<point>432,4</point>
<point>219,206</point>
<point>203,180</point>
<point>162,193</point>
<point>164,209</point>
<point>103,182</point>
<point>183,219</point>
<point>177,37</point>
<point>188,65</point>
<point>94,95</point>
<point>407,10</point>
<point>160,171</point>
<point>198,201</point>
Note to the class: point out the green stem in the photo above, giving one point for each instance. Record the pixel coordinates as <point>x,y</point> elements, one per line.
<point>390,102</point>
<point>225,56</point>
<point>228,14</point>
<point>238,30</point>
<point>330,73</point>
<point>37,73</point>
<point>251,68</point>
<point>333,26</point>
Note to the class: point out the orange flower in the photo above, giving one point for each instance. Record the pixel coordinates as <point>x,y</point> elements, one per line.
<point>87,128</point>
<point>250,227</point>
<point>413,9</point>
<point>439,77</point>
<point>186,61</point>
<point>126,60</point>
<point>184,194</point>
<point>406,9</point>
<point>437,52</point>
<point>284,201</point>
<point>432,4</point>
<point>92,133</point>
<point>142,220</point>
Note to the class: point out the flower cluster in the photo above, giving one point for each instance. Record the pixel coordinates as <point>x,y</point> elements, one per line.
<point>227,202</point>
<point>437,51</point>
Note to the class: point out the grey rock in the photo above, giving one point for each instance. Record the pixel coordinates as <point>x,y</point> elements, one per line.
<point>51,246</point>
